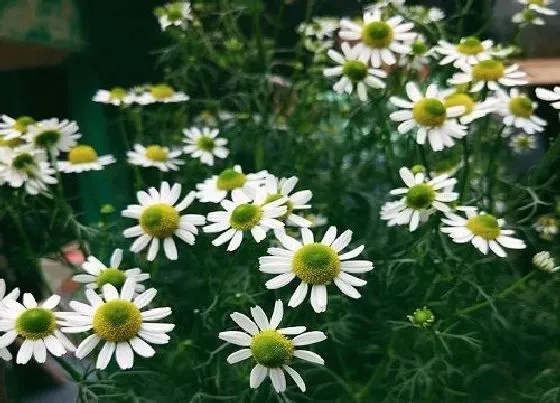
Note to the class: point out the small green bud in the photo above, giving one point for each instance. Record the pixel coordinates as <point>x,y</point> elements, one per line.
<point>422,317</point>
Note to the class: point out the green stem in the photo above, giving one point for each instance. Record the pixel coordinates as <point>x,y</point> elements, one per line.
<point>424,159</point>
<point>466,168</point>
<point>492,164</point>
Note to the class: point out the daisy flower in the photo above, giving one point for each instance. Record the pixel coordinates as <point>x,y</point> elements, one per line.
<point>156,156</point>
<point>490,73</point>
<point>159,219</point>
<point>4,353</point>
<point>469,51</point>
<point>319,28</point>
<point>379,40</point>
<point>429,115</point>
<point>547,226</point>
<point>161,93</point>
<point>115,96</point>
<point>53,135</point>
<point>523,143</point>
<point>216,188</point>
<point>36,325</point>
<point>419,55</point>
<point>281,188</point>
<point>242,215</point>
<point>14,128</point>
<point>482,229</point>
<point>205,144</point>
<point>26,167</point>
<point>421,198</point>
<point>517,110</point>
<point>532,11</point>
<point>543,261</point>
<point>435,14</point>
<point>176,14</point>
<point>98,274</point>
<point>84,158</point>
<point>269,347</point>
<point>550,96</point>
<point>315,264</point>
<point>473,109</point>
<point>119,323</point>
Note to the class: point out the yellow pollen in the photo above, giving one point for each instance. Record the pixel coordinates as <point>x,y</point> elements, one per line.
<point>488,70</point>
<point>117,321</point>
<point>430,112</point>
<point>485,226</point>
<point>156,153</point>
<point>82,155</point>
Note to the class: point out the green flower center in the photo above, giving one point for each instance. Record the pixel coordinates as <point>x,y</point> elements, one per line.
<point>205,143</point>
<point>111,276</point>
<point>429,112</point>
<point>23,162</point>
<point>162,91</point>
<point>316,263</point>
<point>459,99</point>
<point>521,107</point>
<point>82,155</point>
<point>422,317</point>
<point>470,46</point>
<point>377,35</point>
<point>22,123</point>
<point>117,321</point>
<point>35,323</point>
<point>485,226</point>
<point>271,349</point>
<point>245,217</point>
<point>537,2</point>
<point>488,70</point>
<point>419,47</point>
<point>118,93</point>
<point>523,142</point>
<point>355,70</point>
<point>174,11</point>
<point>11,143</point>
<point>231,179</point>
<point>529,15</point>
<point>47,138</point>
<point>416,169</point>
<point>160,220</point>
<point>156,153</point>
<point>420,197</point>
<point>277,196</point>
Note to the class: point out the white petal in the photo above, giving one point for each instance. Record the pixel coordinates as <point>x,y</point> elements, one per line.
<point>238,356</point>
<point>258,374</point>
<point>239,338</point>
<point>309,338</point>
<point>125,355</point>
<point>309,356</point>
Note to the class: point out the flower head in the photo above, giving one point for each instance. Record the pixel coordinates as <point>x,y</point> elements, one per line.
<point>543,261</point>
<point>532,12</point>
<point>26,167</point>
<point>83,158</point>
<point>176,14</point>
<point>491,73</point>
<point>270,347</point>
<point>205,144</point>
<point>282,188</point>
<point>547,226</point>
<point>161,93</point>
<point>53,135</point>
<point>14,294</point>
<point>320,28</point>
<point>473,109</point>
<point>14,128</point>
<point>216,188</point>
<point>116,96</point>
<point>523,143</point>
<point>156,156</point>
<point>469,51</point>
<point>517,110</point>
<point>422,317</point>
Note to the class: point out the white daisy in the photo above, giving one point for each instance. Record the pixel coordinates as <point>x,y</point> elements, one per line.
<point>532,11</point>
<point>177,14</point>
<point>243,215</point>
<point>354,72</point>
<point>28,167</point>
<point>53,135</point>
<point>14,128</point>
<point>116,96</point>
<point>523,143</point>
<point>419,55</point>
<point>482,229</point>
<point>545,262</point>
<point>36,325</point>
<point>84,158</point>
<point>156,156</point>
<point>14,294</point>
<point>205,144</point>
<point>98,274</point>
<point>435,14</point>
<point>159,219</point>
<point>316,264</point>
<point>429,115</point>
<point>161,93</point>
<point>281,188</point>
<point>319,28</point>
<point>270,348</point>
<point>473,109</point>
<point>469,51</point>
<point>517,110</point>
<point>490,73</point>
<point>216,188</point>
<point>119,322</point>
<point>547,226</point>
<point>550,96</point>
<point>379,40</point>
<point>421,198</point>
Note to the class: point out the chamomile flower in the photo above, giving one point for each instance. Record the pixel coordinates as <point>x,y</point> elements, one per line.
<point>532,12</point>
<point>419,55</point>
<point>84,158</point>
<point>421,198</point>
<point>543,261</point>
<point>216,188</point>
<point>469,51</point>
<point>550,96</point>
<point>483,230</point>
<point>155,156</point>
<point>26,167</point>
<point>354,72</point>
<point>98,274</point>
<point>281,188</point>
<point>491,73</point>
<point>36,324</point>
<point>159,219</point>
<point>53,135</point>
<point>4,353</point>
<point>517,110</point>
<point>115,96</point>
<point>435,14</point>
<point>161,93</point>
<point>473,109</point>
<point>119,322</point>
<point>547,226</point>
<point>315,265</point>
<point>205,144</point>
<point>429,115</point>
<point>177,14</point>
<point>269,347</point>
<point>422,317</point>
<point>14,128</point>
<point>523,143</point>
<point>242,215</point>
<point>379,39</point>
<point>320,28</point>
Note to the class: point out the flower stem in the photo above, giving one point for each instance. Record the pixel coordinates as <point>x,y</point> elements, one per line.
<point>466,168</point>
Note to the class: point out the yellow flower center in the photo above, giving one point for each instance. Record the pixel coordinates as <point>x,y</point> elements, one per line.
<point>118,93</point>
<point>488,70</point>
<point>430,112</point>
<point>47,138</point>
<point>22,123</point>
<point>277,196</point>
<point>245,217</point>
<point>420,197</point>
<point>537,2</point>
<point>231,179</point>
<point>205,143</point>
<point>117,321</point>
<point>316,263</point>
<point>162,91</point>
<point>355,70</point>
<point>485,226</point>
<point>156,153</point>
<point>271,349</point>
<point>160,220</point>
<point>111,276</point>
<point>377,35</point>
<point>12,143</point>
<point>35,323</point>
<point>459,99</point>
<point>521,107</point>
<point>470,46</point>
<point>82,155</point>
